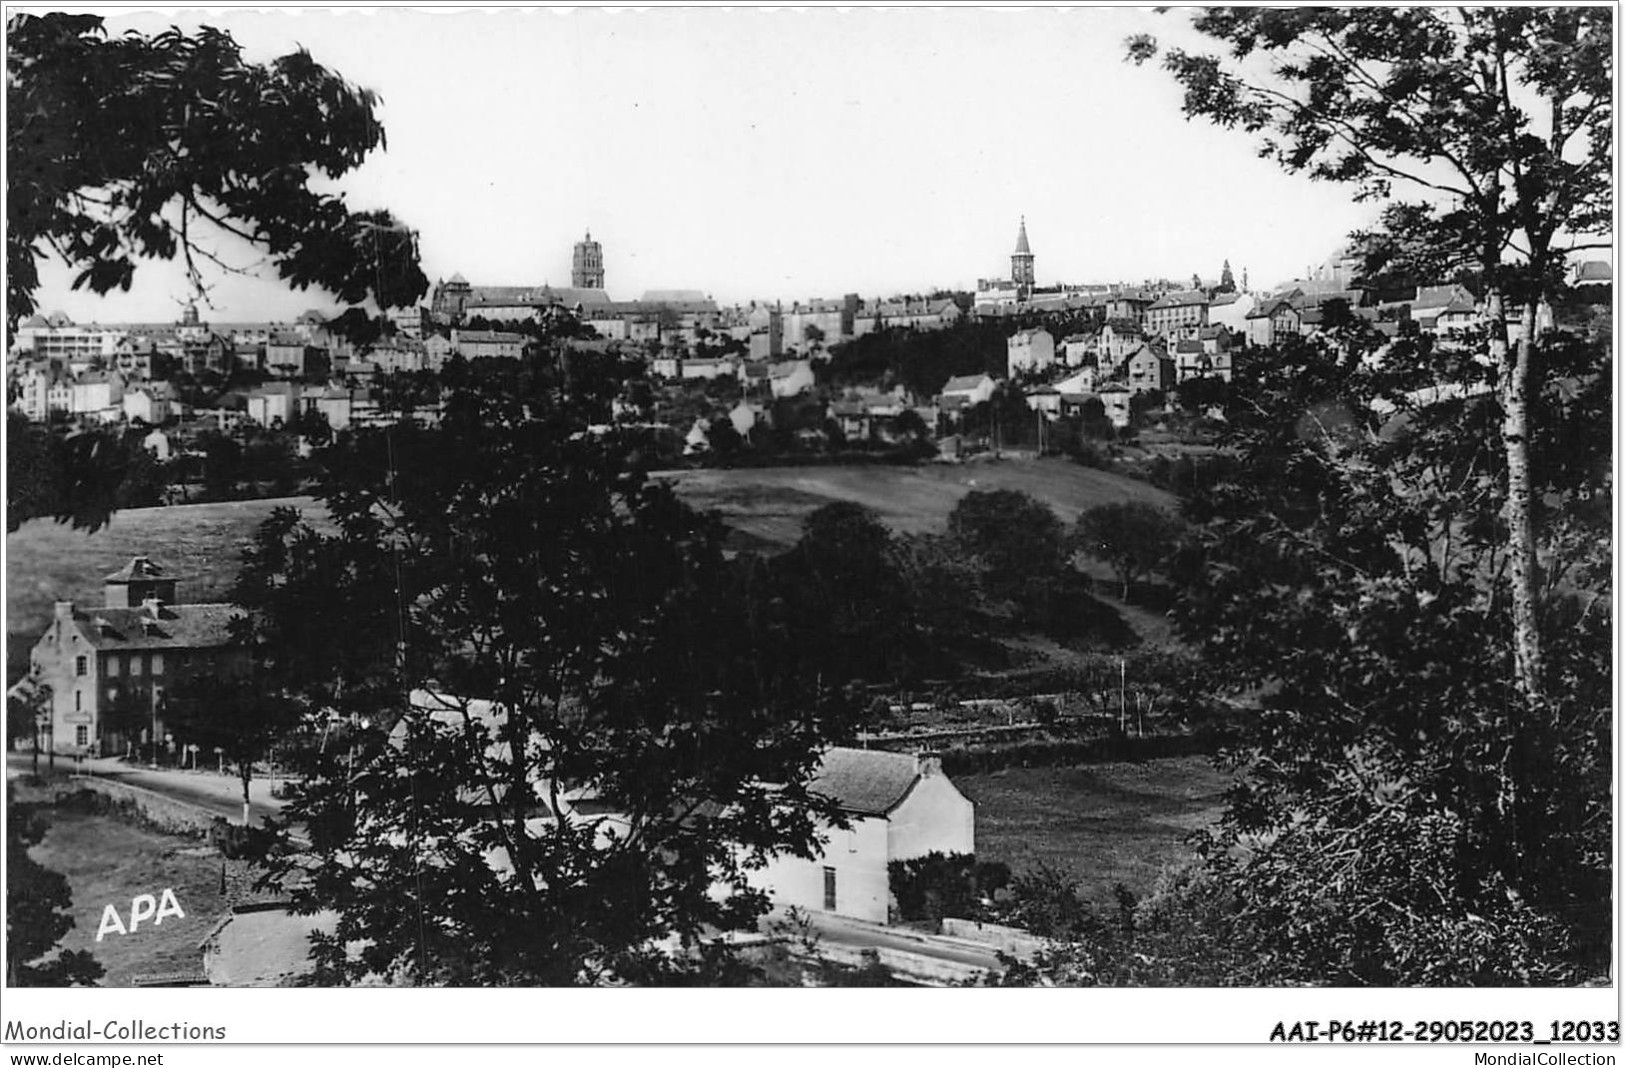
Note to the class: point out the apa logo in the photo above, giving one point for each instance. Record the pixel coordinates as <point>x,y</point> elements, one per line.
<point>142,907</point>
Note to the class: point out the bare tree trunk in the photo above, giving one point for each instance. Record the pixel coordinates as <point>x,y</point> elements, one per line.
<point>1518,510</point>
<point>246,774</point>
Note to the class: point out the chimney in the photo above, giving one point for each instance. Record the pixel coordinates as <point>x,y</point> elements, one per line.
<point>64,613</point>
<point>928,764</point>
<point>153,607</point>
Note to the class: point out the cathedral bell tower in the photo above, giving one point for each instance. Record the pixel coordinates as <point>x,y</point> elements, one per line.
<point>587,266</point>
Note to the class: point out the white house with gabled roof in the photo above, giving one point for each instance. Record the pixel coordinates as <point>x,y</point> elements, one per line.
<point>898,807</point>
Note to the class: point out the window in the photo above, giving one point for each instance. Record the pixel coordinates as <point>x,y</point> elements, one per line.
<point>78,701</point>
<point>81,735</point>
<point>135,664</point>
<point>829,889</point>
<point>114,664</point>
<point>157,663</point>
<point>78,665</point>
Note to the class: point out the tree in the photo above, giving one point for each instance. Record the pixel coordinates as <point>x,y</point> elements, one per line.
<point>124,147</point>
<point>1502,118</point>
<point>28,705</point>
<point>142,146</point>
<point>843,581</point>
<point>1132,536</point>
<point>1204,392</point>
<point>608,731</point>
<point>38,912</point>
<point>73,476</point>
<point>1019,539</point>
<point>1404,816</point>
<point>238,716</point>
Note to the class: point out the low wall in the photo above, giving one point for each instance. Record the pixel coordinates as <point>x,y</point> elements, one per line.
<point>163,813</point>
<point>1012,940</point>
<point>912,967</point>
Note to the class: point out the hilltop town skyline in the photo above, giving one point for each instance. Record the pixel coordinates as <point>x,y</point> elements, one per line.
<point>862,163</point>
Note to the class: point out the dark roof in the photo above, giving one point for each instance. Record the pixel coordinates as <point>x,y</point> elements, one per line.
<point>178,626</point>
<point>1181,299</point>
<point>964,382</point>
<point>490,337</point>
<point>868,782</point>
<point>1022,248</point>
<point>138,569</point>
<point>1440,296</point>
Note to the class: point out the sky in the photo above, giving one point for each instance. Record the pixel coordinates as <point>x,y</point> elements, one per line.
<point>772,154</point>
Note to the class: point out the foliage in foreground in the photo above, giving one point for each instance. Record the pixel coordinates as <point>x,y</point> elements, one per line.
<point>610,725</point>
<point>38,912</point>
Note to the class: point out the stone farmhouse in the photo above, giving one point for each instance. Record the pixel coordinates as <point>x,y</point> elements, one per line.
<point>121,656</point>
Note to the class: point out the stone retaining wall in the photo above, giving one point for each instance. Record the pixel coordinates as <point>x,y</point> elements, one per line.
<point>1012,940</point>
<point>163,813</point>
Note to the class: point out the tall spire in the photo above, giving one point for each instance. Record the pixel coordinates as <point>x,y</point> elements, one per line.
<point>1021,263</point>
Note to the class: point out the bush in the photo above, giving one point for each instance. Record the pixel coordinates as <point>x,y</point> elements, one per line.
<point>939,885</point>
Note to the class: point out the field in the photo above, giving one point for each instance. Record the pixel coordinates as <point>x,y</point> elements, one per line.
<point>109,862</point>
<point>1108,823</point>
<point>765,506</point>
<point>201,544</point>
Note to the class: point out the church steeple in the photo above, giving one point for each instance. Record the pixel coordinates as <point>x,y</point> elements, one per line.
<point>1021,262</point>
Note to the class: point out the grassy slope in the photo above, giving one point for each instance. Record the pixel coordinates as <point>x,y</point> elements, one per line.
<point>200,544</point>
<point>768,504</point>
<point>108,862</point>
<point>1108,823</point>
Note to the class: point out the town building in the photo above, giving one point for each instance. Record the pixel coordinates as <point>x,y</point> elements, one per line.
<point>1230,310</point>
<point>151,403</point>
<point>275,403</point>
<point>790,378</point>
<point>291,355</point>
<point>1118,338</point>
<point>107,667</point>
<point>1446,309</point>
<point>57,337</point>
<point>488,344</point>
<point>970,389</point>
<point>1149,370</point>
<point>1030,350</point>
<point>1174,310</point>
<point>1128,305</point>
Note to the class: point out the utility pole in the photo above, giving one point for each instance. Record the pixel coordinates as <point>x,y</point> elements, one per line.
<point>1122,695</point>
